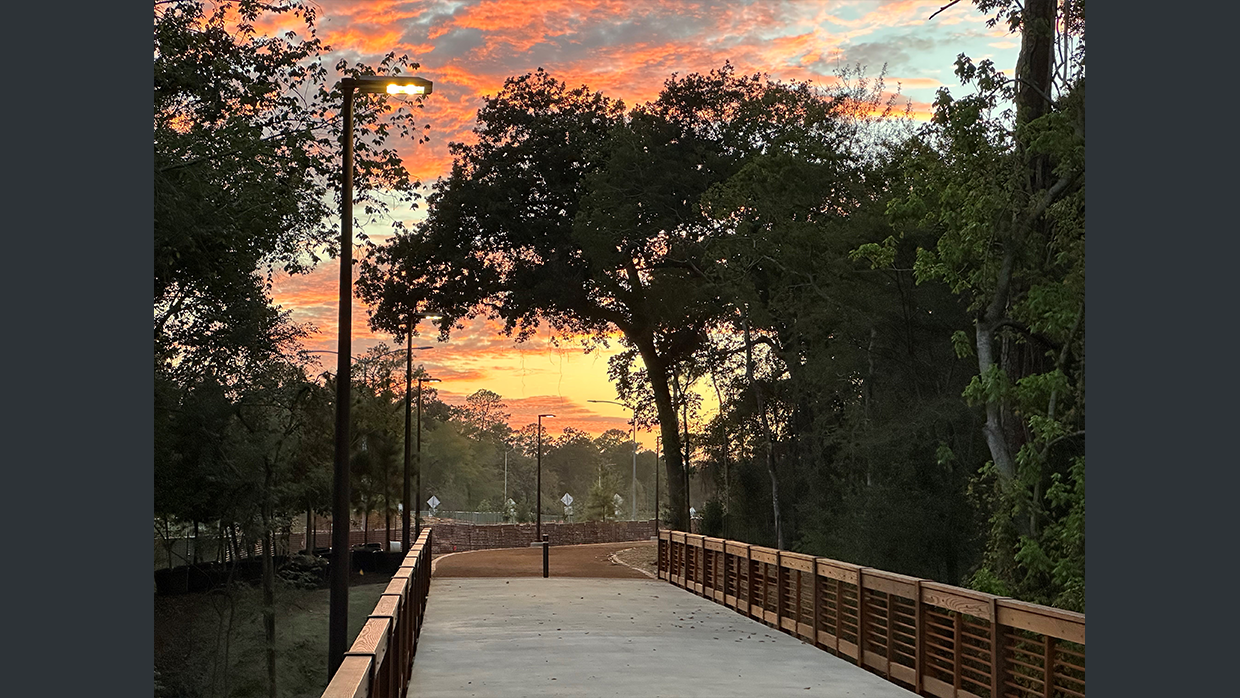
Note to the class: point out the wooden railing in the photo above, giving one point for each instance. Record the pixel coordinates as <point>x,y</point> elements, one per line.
<point>936,639</point>
<point>380,661</point>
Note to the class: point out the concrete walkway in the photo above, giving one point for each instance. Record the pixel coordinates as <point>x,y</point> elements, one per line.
<point>507,638</point>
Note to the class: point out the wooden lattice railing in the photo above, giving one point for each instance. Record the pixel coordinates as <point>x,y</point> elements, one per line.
<point>381,659</point>
<point>936,639</point>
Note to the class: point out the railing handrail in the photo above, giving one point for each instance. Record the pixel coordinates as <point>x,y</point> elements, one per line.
<point>380,660</point>
<point>939,639</point>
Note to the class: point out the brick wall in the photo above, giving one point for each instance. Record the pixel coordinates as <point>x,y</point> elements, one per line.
<point>455,537</point>
<point>449,537</point>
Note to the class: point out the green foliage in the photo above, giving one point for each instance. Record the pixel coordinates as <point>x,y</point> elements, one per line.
<point>304,572</point>
<point>484,417</point>
<point>568,211</point>
<point>1046,568</point>
<point>246,135</point>
<point>1003,192</point>
<point>599,505</point>
<point>246,153</point>
<point>712,518</point>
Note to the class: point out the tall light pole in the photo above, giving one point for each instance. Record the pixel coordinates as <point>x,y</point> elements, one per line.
<point>538,486</point>
<point>633,493</point>
<point>338,608</point>
<point>418,498</point>
<point>657,445</point>
<point>404,515</point>
<point>506,452</point>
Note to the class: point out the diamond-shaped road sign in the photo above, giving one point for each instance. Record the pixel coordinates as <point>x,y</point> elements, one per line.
<point>433,501</point>
<point>567,499</point>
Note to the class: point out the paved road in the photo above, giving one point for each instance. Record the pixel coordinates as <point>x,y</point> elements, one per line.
<point>506,637</point>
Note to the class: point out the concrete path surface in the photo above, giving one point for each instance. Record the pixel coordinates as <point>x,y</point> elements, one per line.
<point>507,638</point>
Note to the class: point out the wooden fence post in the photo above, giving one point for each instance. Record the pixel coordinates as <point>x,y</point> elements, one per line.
<point>996,649</point>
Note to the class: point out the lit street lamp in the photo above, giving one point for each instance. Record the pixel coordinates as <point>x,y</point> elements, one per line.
<point>538,497</point>
<point>338,608</point>
<point>633,494</point>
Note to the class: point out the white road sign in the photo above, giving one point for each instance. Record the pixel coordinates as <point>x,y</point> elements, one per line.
<point>433,501</point>
<point>567,499</point>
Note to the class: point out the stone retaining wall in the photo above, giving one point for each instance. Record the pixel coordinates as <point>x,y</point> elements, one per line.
<point>455,537</point>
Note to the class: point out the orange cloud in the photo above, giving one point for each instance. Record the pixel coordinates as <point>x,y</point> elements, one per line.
<point>625,49</point>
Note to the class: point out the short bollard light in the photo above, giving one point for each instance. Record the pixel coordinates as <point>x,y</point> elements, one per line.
<point>545,546</point>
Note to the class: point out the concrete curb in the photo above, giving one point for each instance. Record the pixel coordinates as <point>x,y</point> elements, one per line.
<point>618,561</point>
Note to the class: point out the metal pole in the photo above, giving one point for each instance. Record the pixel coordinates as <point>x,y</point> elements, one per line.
<point>657,440</point>
<point>418,500</point>
<point>688,506</point>
<point>538,486</point>
<point>338,604</point>
<point>545,545</point>
<point>634,493</point>
<point>505,481</point>
<point>404,536</point>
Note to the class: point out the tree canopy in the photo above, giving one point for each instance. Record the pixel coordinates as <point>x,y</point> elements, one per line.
<point>247,158</point>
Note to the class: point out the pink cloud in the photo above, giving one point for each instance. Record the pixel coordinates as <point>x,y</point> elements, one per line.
<point>623,48</point>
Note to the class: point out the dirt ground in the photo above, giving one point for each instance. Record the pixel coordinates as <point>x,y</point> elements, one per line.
<point>594,560</point>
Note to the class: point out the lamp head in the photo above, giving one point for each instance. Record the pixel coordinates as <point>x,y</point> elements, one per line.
<point>390,84</point>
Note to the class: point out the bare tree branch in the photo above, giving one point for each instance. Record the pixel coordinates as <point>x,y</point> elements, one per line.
<point>936,12</point>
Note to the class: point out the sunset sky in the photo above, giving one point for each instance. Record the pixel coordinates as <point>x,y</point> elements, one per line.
<point>625,49</point>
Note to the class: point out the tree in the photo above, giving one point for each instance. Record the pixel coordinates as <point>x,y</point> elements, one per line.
<point>483,416</point>
<point>245,137</point>
<point>246,131</point>
<point>1004,192</point>
<point>570,212</point>
<point>376,435</point>
<point>269,423</point>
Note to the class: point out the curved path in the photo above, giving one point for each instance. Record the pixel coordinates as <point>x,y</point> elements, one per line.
<point>578,635</point>
<point>562,561</point>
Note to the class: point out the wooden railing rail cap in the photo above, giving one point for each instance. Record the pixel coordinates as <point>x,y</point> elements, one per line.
<point>894,576</point>
<point>1049,611</point>
<point>797,561</point>
<point>1055,622</point>
<point>828,562</point>
<point>388,607</point>
<point>974,603</point>
<point>398,586</point>
<point>761,554</point>
<point>373,638</point>
<point>834,569</point>
<point>890,582</point>
<point>352,679</point>
<point>927,585</point>
<point>411,558</point>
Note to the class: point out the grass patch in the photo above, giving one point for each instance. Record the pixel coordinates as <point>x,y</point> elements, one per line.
<point>193,659</point>
<point>643,556</point>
